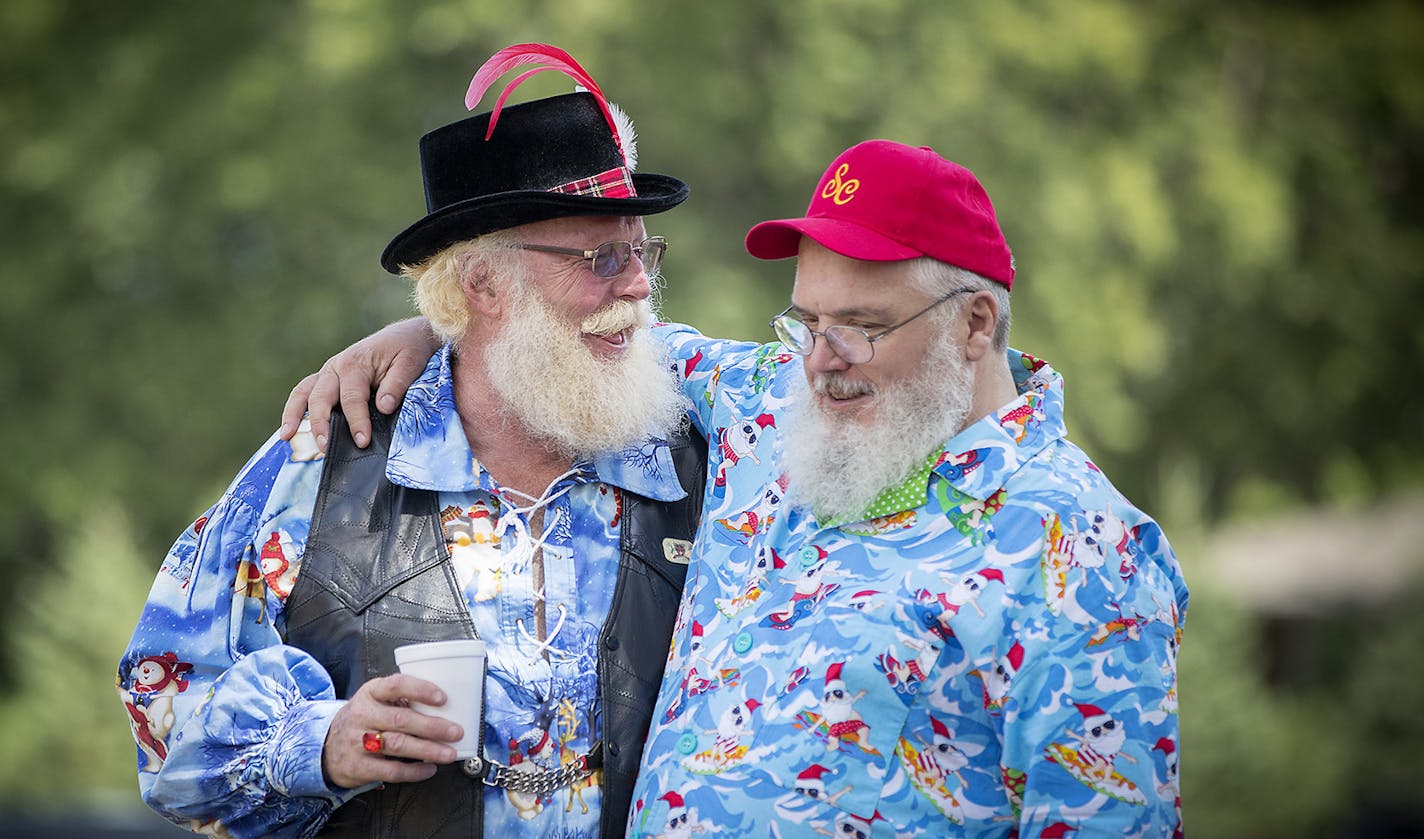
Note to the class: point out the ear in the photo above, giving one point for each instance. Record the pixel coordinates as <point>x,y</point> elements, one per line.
<point>981,315</point>
<point>481,293</point>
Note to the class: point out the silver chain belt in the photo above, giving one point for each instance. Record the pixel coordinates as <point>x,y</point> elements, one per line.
<point>541,783</point>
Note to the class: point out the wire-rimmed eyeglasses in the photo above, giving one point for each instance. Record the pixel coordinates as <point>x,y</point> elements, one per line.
<point>854,346</point>
<point>610,259</point>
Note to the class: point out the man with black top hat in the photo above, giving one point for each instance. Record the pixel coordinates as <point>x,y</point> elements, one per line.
<point>914,607</point>
<point>537,490</point>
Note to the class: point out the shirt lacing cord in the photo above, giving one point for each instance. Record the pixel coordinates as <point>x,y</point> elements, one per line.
<point>513,517</point>
<point>525,545</point>
<point>547,645</point>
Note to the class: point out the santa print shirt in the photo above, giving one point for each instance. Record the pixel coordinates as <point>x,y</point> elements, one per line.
<point>997,657</point>
<point>230,722</point>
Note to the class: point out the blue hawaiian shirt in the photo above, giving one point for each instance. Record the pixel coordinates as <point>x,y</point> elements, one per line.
<point>997,658</point>
<point>230,722</point>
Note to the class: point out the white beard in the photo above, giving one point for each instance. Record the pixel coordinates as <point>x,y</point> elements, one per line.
<point>838,468</point>
<point>837,710</point>
<point>563,394</point>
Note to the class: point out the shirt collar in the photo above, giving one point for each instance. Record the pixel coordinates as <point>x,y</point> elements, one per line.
<point>979,460</point>
<point>907,495</point>
<point>429,449</point>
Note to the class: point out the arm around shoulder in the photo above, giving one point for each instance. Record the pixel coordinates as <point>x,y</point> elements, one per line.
<point>385,363</point>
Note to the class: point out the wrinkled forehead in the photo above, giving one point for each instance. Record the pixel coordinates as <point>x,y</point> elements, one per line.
<point>831,284</point>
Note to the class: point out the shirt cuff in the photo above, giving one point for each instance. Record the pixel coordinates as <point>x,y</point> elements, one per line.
<point>294,767</point>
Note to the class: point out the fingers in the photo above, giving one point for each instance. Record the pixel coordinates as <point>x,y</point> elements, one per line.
<point>380,706</point>
<point>398,688</point>
<point>352,376</point>
<point>312,398</point>
<point>355,397</point>
<point>348,766</point>
<point>390,713</point>
<point>398,355</point>
<point>405,368</point>
<point>388,361</point>
<point>415,344</point>
<point>321,396</point>
<point>391,358</point>
<point>296,407</point>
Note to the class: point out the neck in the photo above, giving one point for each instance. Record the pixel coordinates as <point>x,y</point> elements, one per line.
<point>993,387</point>
<point>513,456</point>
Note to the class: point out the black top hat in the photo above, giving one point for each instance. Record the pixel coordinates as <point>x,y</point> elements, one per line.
<point>546,159</point>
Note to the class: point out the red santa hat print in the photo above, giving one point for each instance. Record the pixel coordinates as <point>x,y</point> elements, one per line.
<point>1092,714</point>
<point>862,598</point>
<point>991,574</point>
<point>941,731</point>
<point>674,801</point>
<point>809,780</point>
<point>1015,656</point>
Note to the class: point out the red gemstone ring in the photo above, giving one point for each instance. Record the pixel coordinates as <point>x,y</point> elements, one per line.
<point>373,741</point>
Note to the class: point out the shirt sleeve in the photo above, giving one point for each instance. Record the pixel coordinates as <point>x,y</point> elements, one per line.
<point>701,363</point>
<point>229,722</point>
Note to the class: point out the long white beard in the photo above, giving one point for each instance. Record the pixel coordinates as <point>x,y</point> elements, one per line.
<point>838,468</point>
<point>564,394</point>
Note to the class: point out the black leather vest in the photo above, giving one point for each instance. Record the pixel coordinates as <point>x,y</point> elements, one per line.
<point>376,574</point>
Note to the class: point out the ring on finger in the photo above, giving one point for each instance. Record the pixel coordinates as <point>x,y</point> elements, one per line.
<point>373,741</point>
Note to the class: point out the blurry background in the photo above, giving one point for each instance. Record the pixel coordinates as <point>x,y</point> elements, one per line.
<point>1214,206</point>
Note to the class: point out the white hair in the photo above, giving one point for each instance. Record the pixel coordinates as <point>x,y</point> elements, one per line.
<point>937,279</point>
<point>437,291</point>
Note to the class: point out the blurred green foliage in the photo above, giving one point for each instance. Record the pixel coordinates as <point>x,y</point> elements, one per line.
<point>1335,755</point>
<point>1213,208</point>
<point>61,731</point>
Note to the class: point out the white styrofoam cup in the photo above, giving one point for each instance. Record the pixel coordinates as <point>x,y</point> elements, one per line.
<point>458,667</point>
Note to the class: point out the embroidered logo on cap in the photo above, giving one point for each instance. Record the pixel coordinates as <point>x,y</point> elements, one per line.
<point>838,189</point>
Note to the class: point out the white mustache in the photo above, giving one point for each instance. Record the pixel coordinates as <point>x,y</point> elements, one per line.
<point>618,316</point>
<point>839,387</point>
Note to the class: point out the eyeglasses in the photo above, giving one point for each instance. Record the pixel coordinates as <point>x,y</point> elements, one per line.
<point>854,346</point>
<point>610,259</point>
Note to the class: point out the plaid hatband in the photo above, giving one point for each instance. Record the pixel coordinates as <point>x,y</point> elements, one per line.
<point>614,183</point>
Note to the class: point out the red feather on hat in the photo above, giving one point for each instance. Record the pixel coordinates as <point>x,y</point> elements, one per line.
<point>550,58</point>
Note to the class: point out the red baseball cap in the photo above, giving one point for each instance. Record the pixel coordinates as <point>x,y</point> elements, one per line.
<point>882,201</point>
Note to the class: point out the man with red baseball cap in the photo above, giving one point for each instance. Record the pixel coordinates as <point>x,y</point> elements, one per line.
<point>924,463</point>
